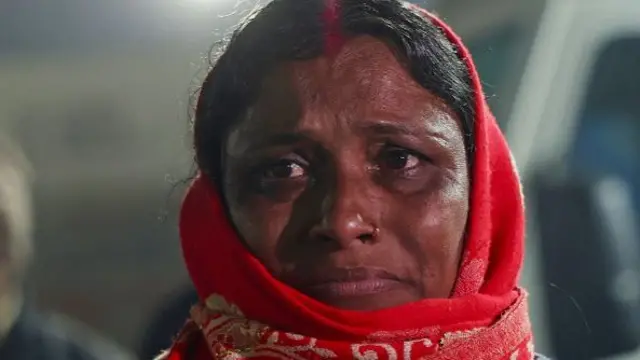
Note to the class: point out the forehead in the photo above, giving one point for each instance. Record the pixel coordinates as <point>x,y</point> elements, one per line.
<point>365,80</point>
<point>366,70</point>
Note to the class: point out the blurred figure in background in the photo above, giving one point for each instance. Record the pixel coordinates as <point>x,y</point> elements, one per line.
<point>26,334</point>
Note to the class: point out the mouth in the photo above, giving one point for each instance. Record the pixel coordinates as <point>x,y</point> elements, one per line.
<point>345,283</point>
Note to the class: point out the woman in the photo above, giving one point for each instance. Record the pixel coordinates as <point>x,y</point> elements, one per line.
<point>356,199</point>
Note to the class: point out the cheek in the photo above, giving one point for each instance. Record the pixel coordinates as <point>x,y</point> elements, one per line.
<point>446,215</point>
<point>260,225</point>
<point>432,234</point>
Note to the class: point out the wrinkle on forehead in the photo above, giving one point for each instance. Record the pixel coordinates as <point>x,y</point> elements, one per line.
<point>366,69</point>
<point>366,75</point>
<point>365,81</point>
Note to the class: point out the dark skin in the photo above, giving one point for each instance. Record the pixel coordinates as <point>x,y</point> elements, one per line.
<point>350,182</point>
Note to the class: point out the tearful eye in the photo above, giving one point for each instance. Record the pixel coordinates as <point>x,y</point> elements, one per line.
<point>399,159</point>
<point>285,169</point>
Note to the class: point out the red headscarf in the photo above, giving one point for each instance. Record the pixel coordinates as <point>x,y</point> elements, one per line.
<point>247,313</point>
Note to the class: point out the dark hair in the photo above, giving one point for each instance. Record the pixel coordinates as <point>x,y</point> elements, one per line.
<point>289,30</point>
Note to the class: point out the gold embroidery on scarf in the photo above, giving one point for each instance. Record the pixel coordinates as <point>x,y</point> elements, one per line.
<point>231,336</point>
<point>220,320</point>
<point>450,337</point>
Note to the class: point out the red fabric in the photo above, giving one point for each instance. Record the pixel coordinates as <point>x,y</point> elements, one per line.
<point>486,318</point>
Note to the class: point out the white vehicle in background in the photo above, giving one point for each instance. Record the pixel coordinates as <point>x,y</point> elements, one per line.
<point>566,74</point>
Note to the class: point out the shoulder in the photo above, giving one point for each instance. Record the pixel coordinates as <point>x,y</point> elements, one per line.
<point>56,334</point>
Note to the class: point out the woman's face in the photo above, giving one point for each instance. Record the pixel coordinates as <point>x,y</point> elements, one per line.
<point>350,181</point>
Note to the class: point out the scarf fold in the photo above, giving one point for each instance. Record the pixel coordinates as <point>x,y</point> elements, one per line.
<point>247,313</point>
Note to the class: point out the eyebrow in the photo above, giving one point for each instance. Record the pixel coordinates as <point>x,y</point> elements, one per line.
<point>399,128</point>
<point>380,127</point>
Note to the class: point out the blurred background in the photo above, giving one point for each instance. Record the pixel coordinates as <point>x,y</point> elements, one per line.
<point>97,94</point>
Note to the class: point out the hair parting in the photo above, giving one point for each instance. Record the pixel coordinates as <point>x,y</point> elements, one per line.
<point>334,37</point>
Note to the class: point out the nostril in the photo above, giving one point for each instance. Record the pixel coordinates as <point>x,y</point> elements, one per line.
<point>344,233</point>
<point>365,237</point>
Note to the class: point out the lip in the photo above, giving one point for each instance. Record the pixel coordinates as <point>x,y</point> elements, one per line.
<point>349,283</point>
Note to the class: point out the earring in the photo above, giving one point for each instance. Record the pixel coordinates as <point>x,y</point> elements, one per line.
<point>376,232</point>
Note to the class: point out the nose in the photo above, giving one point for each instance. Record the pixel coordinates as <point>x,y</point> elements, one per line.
<point>347,215</point>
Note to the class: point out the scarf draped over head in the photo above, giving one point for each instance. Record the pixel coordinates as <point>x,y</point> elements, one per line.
<point>246,313</point>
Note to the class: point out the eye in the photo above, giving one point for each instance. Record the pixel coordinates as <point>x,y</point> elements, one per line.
<point>395,158</point>
<point>284,169</point>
